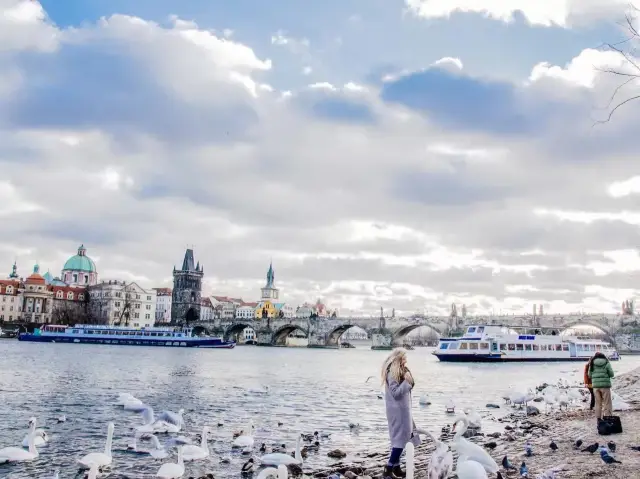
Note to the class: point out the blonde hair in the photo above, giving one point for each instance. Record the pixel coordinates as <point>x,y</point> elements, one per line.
<point>394,365</point>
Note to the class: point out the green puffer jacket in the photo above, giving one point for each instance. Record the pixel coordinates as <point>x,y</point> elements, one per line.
<point>601,373</point>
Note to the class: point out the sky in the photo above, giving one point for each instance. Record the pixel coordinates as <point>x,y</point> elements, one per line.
<point>404,154</point>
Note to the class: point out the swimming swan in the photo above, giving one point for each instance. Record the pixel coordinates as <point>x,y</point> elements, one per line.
<point>40,437</point>
<point>172,470</point>
<point>441,462</point>
<point>169,421</point>
<point>193,453</point>
<point>470,450</point>
<point>280,473</point>
<point>18,454</point>
<point>468,469</point>
<point>246,438</point>
<point>99,458</point>
<point>279,458</point>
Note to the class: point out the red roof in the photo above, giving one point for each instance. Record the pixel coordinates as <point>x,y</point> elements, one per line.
<point>163,291</point>
<point>9,282</point>
<point>35,278</point>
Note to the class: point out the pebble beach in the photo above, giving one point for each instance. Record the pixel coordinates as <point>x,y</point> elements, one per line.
<point>562,427</point>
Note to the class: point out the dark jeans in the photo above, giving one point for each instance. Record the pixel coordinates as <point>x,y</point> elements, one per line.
<point>394,458</point>
<point>593,399</point>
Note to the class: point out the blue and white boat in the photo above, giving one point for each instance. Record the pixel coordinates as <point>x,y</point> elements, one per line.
<point>482,343</point>
<point>98,334</point>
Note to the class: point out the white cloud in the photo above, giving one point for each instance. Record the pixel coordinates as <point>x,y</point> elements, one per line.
<point>628,187</point>
<point>543,12</point>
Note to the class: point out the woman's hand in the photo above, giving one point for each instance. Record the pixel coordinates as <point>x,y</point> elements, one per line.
<point>409,378</point>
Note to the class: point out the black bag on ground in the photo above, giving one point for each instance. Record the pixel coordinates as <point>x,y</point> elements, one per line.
<point>609,425</point>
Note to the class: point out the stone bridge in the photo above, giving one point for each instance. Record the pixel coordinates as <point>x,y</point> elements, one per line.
<point>387,333</point>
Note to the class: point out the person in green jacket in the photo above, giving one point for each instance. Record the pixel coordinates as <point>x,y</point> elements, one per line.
<point>601,372</point>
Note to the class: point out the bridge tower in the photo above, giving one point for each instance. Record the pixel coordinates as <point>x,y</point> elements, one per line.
<point>187,291</point>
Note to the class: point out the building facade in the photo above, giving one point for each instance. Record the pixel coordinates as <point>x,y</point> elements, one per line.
<point>225,307</point>
<point>11,297</point>
<point>163,305</point>
<point>122,304</point>
<point>187,291</point>
<point>37,302</point>
<point>80,270</point>
<point>206,309</point>
<point>246,311</point>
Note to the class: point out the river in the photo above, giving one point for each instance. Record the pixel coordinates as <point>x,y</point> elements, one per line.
<point>310,389</point>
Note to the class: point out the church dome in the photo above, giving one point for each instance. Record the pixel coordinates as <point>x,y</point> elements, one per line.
<point>80,262</point>
<point>35,277</point>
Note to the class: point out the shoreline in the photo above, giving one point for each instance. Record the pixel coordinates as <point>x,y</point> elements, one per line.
<point>564,428</point>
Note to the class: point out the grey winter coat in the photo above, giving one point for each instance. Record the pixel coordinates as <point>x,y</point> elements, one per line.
<point>398,402</point>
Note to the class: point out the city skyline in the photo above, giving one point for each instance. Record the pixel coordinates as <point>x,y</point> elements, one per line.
<point>451,160</point>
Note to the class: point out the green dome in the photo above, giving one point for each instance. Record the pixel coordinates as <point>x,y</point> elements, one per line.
<point>80,262</point>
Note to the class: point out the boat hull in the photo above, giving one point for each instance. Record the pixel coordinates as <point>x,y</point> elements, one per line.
<point>213,343</point>
<point>497,358</point>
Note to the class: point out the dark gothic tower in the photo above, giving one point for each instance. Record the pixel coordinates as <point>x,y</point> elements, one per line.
<point>187,289</point>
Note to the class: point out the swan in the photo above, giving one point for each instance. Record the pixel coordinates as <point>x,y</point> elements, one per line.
<point>517,398</point>
<point>158,451</point>
<point>279,458</point>
<point>172,470</point>
<point>475,421</point>
<point>470,450</point>
<point>123,398</point>
<point>170,421</point>
<point>41,438</point>
<point>468,469</point>
<point>193,453</point>
<point>441,462</point>
<point>149,419</point>
<point>424,400</point>
<point>258,391</point>
<point>280,473</point>
<point>99,458</point>
<point>18,454</point>
<point>245,439</point>
<point>93,472</point>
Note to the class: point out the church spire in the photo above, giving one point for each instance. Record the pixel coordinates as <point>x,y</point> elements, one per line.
<point>188,263</point>
<point>14,271</point>
<point>271,277</point>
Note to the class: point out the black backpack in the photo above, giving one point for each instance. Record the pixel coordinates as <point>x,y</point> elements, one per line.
<point>609,425</point>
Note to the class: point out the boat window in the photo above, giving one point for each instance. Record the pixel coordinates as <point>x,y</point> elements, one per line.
<point>471,330</point>
<point>464,345</point>
<point>527,347</point>
<point>118,333</point>
<point>444,345</point>
<point>473,345</point>
<point>503,346</point>
<point>484,345</point>
<point>598,347</point>
<point>75,331</point>
<point>536,347</point>
<point>480,329</point>
<point>592,347</point>
<point>512,347</point>
<point>90,332</point>
<point>558,347</point>
<point>565,347</point>
<point>453,345</point>
<point>519,347</point>
<point>543,347</point>
<point>579,347</point>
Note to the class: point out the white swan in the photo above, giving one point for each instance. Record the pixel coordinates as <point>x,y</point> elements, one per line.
<point>470,450</point>
<point>149,419</point>
<point>424,400</point>
<point>158,451</point>
<point>441,462</point>
<point>18,454</point>
<point>468,469</point>
<point>279,473</point>
<point>133,404</point>
<point>123,398</point>
<point>194,453</point>
<point>258,391</point>
<point>99,458</point>
<point>246,438</point>
<point>93,472</point>
<point>170,421</point>
<point>172,470</point>
<point>279,458</point>
<point>475,421</point>
<point>41,437</point>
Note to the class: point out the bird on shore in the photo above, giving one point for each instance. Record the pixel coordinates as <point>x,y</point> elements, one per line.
<point>612,446</point>
<point>635,448</point>
<point>248,466</point>
<point>524,470</point>
<point>491,445</point>
<point>607,458</point>
<point>577,444</point>
<point>507,465</point>
<point>528,449</point>
<point>592,448</point>
<point>553,446</point>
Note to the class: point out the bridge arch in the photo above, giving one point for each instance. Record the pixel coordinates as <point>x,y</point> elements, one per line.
<point>235,330</point>
<point>198,330</point>
<point>280,335</point>
<point>336,333</point>
<point>591,324</point>
<point>400,334</point>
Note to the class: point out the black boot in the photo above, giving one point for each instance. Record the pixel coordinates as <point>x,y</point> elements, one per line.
<point>388,473</point>
<point>397,472</point>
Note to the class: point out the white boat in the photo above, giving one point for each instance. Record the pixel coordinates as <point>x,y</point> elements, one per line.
<point>482,343</point>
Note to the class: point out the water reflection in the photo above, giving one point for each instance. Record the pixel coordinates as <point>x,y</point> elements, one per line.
<point>309,390</point>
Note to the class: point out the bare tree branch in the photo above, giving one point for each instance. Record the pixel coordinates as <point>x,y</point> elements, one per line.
<point>615,108</point>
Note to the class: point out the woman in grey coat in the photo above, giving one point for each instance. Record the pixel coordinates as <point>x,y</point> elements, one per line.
<point>398,383</point>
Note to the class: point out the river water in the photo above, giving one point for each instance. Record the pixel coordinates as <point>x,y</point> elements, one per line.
<point>310,389</point>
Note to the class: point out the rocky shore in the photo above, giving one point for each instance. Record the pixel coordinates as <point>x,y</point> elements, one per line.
<point>564,428</point>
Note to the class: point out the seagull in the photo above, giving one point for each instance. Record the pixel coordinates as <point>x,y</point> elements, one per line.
<point>528,450</point>
<point>62,418</point>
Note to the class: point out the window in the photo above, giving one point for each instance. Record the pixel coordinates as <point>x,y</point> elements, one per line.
<point>484,345</point>
<point>147,316</point>
<point>536,347</point>
<point>464,345</point>
<point>481,329</point>
<point>75,278</point>
<point>148,306</point>
<point>86,279</point>
<point>598,347</point>
<point>473,345</point>
<point>527,347</point>
<point>565,347</point>
<point>137,296</point>
<point>519,347</point>
<point>558,347</point>
<point>59,295</point>
<point>81,297</point>
<point>503,346</point>
<point>453,345</point>
<point>471,330</point>
<point>444,345</point>
<point>148,298</point>
<point>70,296</point>
<point>543,347</point>
<point>137,305</point>
<point>512,347</point>
<point>579,347</point>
